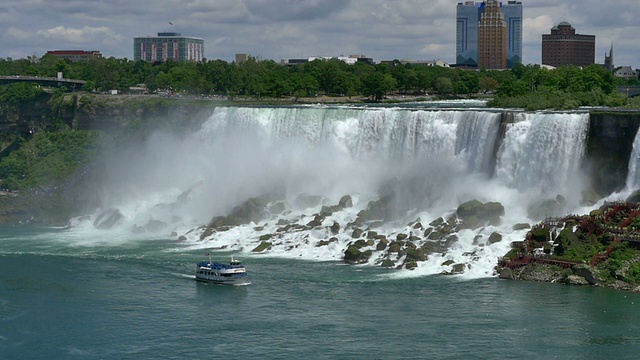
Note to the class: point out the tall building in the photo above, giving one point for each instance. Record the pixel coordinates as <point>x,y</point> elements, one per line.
<point>492,38</point>
<point>564,47</point>
<point>468,19</point>
<point>168,46</point>
<point>512,12</point>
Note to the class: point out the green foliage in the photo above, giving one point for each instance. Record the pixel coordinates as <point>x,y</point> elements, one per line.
<point>47,158</point>
<point>565,88</point>
<point>530,87</point>
<point>19,93</point>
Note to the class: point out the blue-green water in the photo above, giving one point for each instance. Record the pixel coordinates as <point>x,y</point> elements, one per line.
<point>138,300</point>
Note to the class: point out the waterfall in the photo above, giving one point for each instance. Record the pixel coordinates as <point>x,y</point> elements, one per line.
<point>431,160</point>
<point>543,151</point>
<point>633,177</point>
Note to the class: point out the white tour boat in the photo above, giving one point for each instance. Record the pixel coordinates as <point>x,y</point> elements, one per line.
<point>231,273</point>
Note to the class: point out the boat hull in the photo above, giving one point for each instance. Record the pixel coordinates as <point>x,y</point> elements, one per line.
<point>223,280</point>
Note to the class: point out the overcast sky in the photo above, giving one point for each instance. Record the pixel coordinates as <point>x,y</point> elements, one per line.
<point>283,29</point>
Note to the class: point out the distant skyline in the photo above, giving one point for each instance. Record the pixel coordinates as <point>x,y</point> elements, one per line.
<point>285,29</point>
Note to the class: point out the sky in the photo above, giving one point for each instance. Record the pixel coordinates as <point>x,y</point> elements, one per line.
<point>284,29</point>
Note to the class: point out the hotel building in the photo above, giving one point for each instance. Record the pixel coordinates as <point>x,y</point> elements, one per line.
<point>564,47</point>
<point>168,46</point>
<point>468,18</point>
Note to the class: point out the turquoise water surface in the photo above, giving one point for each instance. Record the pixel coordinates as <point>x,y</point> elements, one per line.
<point>138,300</point>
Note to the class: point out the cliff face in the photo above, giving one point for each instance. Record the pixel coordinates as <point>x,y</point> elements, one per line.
<point>117,114</point>
<point>102,112</point>
<point>609,145</point>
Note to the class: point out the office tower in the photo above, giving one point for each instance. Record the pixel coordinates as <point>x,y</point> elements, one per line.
<point>564,47</point>
<point>492,38</point>
<point>512,12</point>
<point>469,15</point>
<point>168,46</point>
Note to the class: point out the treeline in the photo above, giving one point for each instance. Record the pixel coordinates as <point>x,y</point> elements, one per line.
<point>528,86</point>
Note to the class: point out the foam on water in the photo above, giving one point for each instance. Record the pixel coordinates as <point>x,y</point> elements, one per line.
<point>432,160</point>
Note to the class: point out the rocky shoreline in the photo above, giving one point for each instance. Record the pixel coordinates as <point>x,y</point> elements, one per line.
<point>599,249</point>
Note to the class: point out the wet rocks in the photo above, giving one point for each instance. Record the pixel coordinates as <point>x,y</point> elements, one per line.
<point>264,246</point>
<point>475,214</point>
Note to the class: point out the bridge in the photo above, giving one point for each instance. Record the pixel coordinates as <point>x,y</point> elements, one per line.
<point>629,90</point>
<point>46,81</point>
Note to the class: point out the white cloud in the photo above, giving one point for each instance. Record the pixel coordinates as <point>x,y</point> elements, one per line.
<point>85,35</point>
<point>274,29</point>
<point>15,34</point>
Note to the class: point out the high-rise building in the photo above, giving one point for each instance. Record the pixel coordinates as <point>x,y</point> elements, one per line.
<point>469,15</point>
<point>168,46</point>
<point>564,47</point>
<point>512,12</point>
<point>492,38</point>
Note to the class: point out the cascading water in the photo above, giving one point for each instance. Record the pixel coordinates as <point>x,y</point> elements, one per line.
<point>430,160</point>
<point>633,177</point>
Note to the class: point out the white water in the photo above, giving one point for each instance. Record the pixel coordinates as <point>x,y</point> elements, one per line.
<point>633,177</point>
<point>433,160</point>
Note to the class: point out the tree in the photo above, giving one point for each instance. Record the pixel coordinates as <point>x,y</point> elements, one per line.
<point>444,85</point>
<point>488,84</point>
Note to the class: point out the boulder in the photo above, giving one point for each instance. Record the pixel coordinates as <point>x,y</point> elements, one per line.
<point>335,228</point>
<point>415,255</point>
<point>469,208</point>
<point>382,244</point>
<point>576,280</point>
<point>317,221</point>
<point>345,202</point>
<point>521,226</point>
<point>357,233</point>
<point>265,245</point>
<point>326,242</point>
<point>494,238</point>
<point>586,273</point>
<point>476,214</point>
<point>388,263</point>
<point>206,233</point>
<point>353,255</point>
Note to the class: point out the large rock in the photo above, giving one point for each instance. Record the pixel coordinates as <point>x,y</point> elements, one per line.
<point>586,273</point>
<point>475,214</point>
<point>265,245</point>
<point>345,202</point>
<point>353,255</point>
<point>495,237</point>
<point>470,208</point>
<point>376,210</point>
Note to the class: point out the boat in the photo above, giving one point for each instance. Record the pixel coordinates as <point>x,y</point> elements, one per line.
<point>229,273</point>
